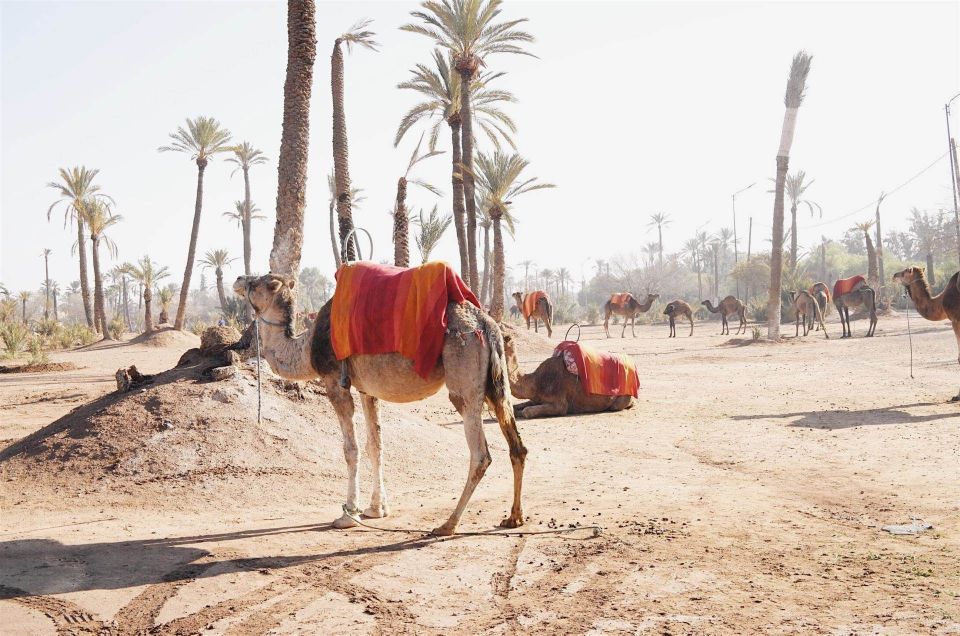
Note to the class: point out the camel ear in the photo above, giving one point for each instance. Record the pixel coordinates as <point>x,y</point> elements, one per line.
<point>274,286</point>
<point>291,282</point>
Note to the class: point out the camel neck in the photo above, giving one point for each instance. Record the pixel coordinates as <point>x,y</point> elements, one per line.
<point>519,383</point>
<point>288,357</point>
<point>930,307</point>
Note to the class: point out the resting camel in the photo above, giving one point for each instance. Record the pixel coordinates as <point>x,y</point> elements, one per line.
<point>627,307</point>
<point>807,308</point>
<point>821,293</point>
<point>859,294</point>
<point>543,310</point>
<point>552,390</point>
<point>474,370</point>
<point>729,306</point>
<point>943,306</point>
<point>675,309</point>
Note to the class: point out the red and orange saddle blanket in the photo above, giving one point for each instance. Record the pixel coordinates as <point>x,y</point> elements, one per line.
<point>620,299</point>
<point>530,302</point>
<point>386,309</point>
<point>600,373</point>
<point>846,285</point>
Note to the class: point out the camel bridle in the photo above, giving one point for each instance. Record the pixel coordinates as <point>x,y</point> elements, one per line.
<point>258,313</point>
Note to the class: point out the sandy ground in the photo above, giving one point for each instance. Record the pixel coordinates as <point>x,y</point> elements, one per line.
<point>744,493</point>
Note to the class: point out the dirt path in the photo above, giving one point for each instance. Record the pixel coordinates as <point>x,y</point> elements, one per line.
<point>743,494</point>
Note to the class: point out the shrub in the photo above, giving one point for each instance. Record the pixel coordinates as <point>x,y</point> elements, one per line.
<point>14,336</point>
<point>592,314</point>
<point>37,354</point>
<point>756,333</point>
<point>81,335</point>
<point>758,309</point>
<point>116,327</point>
<point>48,327</point>
<point>198,327</point>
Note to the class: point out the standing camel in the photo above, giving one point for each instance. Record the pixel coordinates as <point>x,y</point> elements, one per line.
<point>854,292</point>
<point>675,309</point>
<point>536,306</point>
<point>472,365</point>
<point>821,294</point>
<point>807,309</point>
<point>729,306</point>
<point>627,307</point>
<point>943,306</point>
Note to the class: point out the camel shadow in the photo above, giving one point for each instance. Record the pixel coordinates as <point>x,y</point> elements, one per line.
<point>836,420</point>
<point>45,566</point>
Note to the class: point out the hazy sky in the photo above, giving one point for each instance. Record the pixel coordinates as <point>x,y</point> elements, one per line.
<point>631,108</point>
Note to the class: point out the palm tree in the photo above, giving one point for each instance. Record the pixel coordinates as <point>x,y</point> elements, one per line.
<point>245,156</point>
<point>691,249</point>
<point>76,186</point>
<point>467,29</point>
<point>201,139</point>
<point>217,260</point>
<point>880,245</point>
<point>796,186</point>
<point>498,177</point>
<point>431,230</point>
<point>341,165</point>
<point>165,295</point>
<point>441,87</point>
<point>356,198</point>
<point>46,282</point>
<point>295,137</point>
<point>796,89</point>
<point>660,219</point>
<point>148,274</point>
<point>120,273</point>
<point>24,297</point>
<point>245,213</point>
<point>872,274</point>
<point>54,288</point>
<point>401,220</point>
<point>99,218</point>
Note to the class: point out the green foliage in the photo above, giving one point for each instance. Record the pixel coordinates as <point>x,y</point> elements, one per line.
<point>14,335</point>
<point>116,327</point>
<point>198,327</point>
<point>81,335</point>
<point>48,327</point>
<point>592,314</point>
<point>758,308</point>
<point>37,353</point>
<point>755,332</point>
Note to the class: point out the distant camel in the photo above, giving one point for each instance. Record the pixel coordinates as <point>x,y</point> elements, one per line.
<point>854,292</point>
<point>675,309</point>
<point>626,306</point>
<point>821,293</point>
<point>729,306</point>
<point>536,306</point>
<point>553,390</point>
<point>807,308</point>
<point>943,306</point>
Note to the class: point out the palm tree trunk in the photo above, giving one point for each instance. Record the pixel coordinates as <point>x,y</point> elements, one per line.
<point>126,304</point>
<point>880,257</point>
<point>458,209</point>
<point>98,300</point>
<point>247,214</point>
<point>660,247</point>
<point>466,135</point>
<point>485,282</point>
<point>401,227</point>
<point>46,291</point>
<point>697,262</point>
<point>872,276</point>
<point>147,309</point>
<point>931,275</point>
<point>333,235</point>
<point>776,250</point>
<point>294,138</point>
<point>24,310</point>
<point>84,282</point>
<point>220,293</point>
<point>192,250</point>
<point>716,275</point>
<point>341,163</point>
<point>56,313</point>
<point>499,272</point>
<point>793,237</point>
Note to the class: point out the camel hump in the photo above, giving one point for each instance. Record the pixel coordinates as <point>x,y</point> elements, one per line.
<point>847,285</point>
<point>621,299</point>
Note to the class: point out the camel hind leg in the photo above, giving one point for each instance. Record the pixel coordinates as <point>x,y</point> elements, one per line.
<point>690,316</point>
<point>378,500</point>
<point>956,333</point>
<point>342,403</point>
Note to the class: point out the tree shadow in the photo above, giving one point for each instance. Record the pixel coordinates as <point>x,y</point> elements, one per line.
<point>836,420</point>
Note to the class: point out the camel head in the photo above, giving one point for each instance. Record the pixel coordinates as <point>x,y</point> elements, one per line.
<point>652,297</point>
<point>518,296</point>
<point>669,309</point>
<point>509,349</point>
<point>271,296</point>
<point>910,275</point>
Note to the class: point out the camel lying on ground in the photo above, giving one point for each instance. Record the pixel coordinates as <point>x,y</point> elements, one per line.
<point>859,294</point>
<point>542,309</point>
<point>628,308</point>
<point>729,306</point>
<point>552,390</point>
<point>807,309</point>
<point>473,367</point>
<point>943,306</point>
<point>675,309</point>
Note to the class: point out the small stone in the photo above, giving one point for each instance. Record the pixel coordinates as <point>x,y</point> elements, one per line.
<point>222,373</point>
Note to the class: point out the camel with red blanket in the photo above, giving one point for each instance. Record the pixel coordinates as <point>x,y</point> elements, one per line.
<point>575,379</point>
<point>431,332</point>
<point>536,306</point>
<point>854,292</point>
<point>628,308</point>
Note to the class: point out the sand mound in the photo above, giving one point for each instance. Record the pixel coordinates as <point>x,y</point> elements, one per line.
<point>43,367</point>
<point>529,343</point>
<point>167,337</point>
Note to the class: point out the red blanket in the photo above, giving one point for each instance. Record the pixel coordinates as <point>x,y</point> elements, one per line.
<point>530,302</point>
<point>602,373</point>
<point>846,285</point>
<point>386,309</point>
<point>621,299</point>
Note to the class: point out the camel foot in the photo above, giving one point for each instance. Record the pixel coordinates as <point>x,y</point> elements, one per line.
<point>377,512</point>
<point>446,530</point>
<point>955,398</point>
<point>513,521</point>
<point>345,522</point>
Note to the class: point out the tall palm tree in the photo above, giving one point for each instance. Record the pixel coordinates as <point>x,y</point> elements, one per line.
<point>401,218</point>
<point>76,186</point>
<point>54,288</point>
<point>99,218</point>
<point>356,198</point>
<point>341,165</point>
<point>499,179</point>
<point>431,230</point>
<point>245,156</point>
<point>203,138</point>
<point>872,273</point>
<point>294,138</point>
<point>660,219</point>
<point>469,31</point>
<point>691,249</point>
<point>217,260</point>
<point>148,274</point>
<point>245,212</point>
<point>24,297</point>
<point>441,88</point>
<point>880,245</point>
<point>46,282</point>
<point>793,98</point>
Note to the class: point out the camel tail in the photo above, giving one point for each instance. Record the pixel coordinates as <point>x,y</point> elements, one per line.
<point>498,390</point>
<point>819,314</point>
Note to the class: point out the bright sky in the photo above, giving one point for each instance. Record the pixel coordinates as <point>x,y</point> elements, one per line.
<point>631,108</point>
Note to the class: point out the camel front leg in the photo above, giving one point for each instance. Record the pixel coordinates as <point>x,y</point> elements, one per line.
<point>342,403</point>
<point>633,325</point>
<point>547,409</point>
<point>378,500</point>
<point>549,325</point>
<point>956,333</point>
<point>691,324</point>
<point>479,461</point>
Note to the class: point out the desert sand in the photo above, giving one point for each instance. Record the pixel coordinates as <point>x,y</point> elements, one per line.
<point>744,493</point>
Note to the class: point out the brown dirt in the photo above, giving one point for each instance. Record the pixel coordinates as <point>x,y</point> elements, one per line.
<point>167,337</point>
<point>743,494</point>
<point>42,367</point>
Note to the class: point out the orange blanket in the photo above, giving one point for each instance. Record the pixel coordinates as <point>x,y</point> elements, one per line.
<point>602,373</point>
<point>620,299</point>
<point>530,302</point>
<point>386,309</point>
<point>846,285</point>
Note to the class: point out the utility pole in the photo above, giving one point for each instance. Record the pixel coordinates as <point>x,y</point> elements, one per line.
<point>733,203</point>
<point>880,247</point>
<point>954,170</point>
<point>749,237</point>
